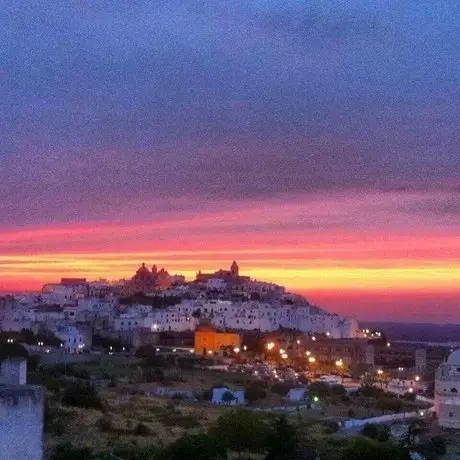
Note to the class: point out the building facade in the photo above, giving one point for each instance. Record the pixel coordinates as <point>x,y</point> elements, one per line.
<point>447,392</point>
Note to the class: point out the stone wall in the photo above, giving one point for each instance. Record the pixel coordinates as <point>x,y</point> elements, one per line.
<point>21,422</point>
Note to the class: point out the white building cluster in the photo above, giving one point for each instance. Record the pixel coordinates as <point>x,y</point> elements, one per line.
<point>240,316</point>
<point>74,306</point>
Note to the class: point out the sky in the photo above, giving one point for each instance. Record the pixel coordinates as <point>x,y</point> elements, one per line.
<point>314,142</point>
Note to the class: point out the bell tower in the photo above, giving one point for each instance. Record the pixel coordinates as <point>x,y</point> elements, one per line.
<point>235,270</point>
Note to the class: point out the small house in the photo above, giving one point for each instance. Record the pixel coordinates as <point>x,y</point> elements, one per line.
<point>297,394</point>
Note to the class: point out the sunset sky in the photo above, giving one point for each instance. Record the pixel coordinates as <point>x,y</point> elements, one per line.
<point>317,143</point>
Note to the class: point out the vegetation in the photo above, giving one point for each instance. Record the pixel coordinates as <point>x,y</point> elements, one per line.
<point>85,396</point>
<point>378,432</point>
<point>368,449</point>
<point>254,392</point>
<point>154,301</point>
<point>242,431</point>
<point>12,350</point>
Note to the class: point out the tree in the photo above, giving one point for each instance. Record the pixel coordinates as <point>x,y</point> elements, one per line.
<point>368,449</point>
<point>285,443</point>
<point>254,392</point>
<point>338,390</point>
<point>84,396</point>
<point>281,388</point>
<point>414,430</point>
<point>242,431</point>
<point>389,404</point>
<point>227,397</point>
<point>320,389</point>
<point>195,447</point>
<point>303,379</point>
<point>374,431</point>
<point>12,350</point>
<point>357,370</point>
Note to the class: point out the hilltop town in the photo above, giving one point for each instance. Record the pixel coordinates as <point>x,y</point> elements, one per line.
<point>134,311</point>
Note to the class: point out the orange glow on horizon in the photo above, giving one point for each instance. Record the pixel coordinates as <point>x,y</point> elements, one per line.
<point>270,243</point>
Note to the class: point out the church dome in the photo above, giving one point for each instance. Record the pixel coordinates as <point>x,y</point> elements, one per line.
<point>454,358</point>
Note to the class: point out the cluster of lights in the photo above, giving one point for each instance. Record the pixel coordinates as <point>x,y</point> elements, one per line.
<point>236,350</point>
<point>311,359</point>
<point>380,372</point>
<point>400,369</point>
<point>10,340</point>
<point>270,346</point>
<point>40,344</point>
<point>339,363</point>
<point>372,334</point>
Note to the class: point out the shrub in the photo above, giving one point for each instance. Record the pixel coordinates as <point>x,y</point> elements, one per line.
<point>281,388</point>
<point>32,363</point>
<point>438,444</point>
<point>330,427</point>
<point>105,424</point>
<point>377,432</point>
<point>242,431</point>
<point>254,392</point>
<point>370,391</point>
<point>338,390</point>
<point>84,396</point>
<point>409,396</point>
<point>66,451</point>
<point>154,375</point>
<point>142,430</point>
<point>199,447</point>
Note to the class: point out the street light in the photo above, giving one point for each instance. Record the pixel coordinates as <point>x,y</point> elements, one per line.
<point>311,359</point>
<point>284,356</point>
<point>298,342</point>
<point>339,363</point>
<point>380,372</point>
<point>411,390</point>
<point>313,338</point>
<point>270,346</point>
<point>315,398</point>
<point>388,344</point>
<point>245,348</point>
<point>308,353</point>
<point>417,378</point>
<point>236,350</point>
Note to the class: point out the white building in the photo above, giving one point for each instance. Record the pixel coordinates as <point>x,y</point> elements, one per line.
<point>73,339</point>
<point>447,392</point>
<point>239,316</point>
